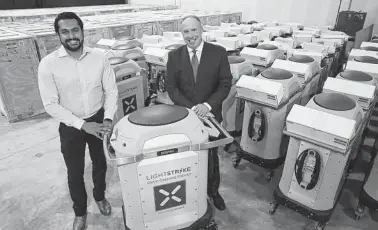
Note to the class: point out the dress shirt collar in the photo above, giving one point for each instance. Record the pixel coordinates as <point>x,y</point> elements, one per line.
<point>199,48</point>
<point>62,52</point>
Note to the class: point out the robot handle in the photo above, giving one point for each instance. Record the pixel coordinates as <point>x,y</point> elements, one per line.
<point>227,139</point>
<point>105,145</point>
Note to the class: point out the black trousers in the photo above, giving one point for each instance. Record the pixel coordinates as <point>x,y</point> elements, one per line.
<point>73,142</point>
<point>213,175</point>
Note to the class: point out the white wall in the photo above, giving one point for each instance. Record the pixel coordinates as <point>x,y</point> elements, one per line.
<point>308,12</point>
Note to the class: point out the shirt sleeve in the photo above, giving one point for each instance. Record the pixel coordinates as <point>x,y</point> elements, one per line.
<point>110,90</point>
<point>50,98</point>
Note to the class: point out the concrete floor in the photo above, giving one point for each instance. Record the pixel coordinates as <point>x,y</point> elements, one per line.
<point>34,193</point>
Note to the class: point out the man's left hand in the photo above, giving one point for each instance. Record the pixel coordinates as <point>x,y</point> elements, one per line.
<point>201,110</point>
<point>106,127</point>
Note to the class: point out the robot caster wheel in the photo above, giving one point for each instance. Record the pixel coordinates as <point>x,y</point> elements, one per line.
<point>212,226</point>
<point>320,226</point>
<point>273,207</point>
<point>236,160</point>
<point>269,175</point>
<point>359,212</point>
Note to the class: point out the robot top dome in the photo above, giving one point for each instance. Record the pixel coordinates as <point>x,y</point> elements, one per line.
<point>267,47</point>
<point>301,59</point>
<point>370,48</point>
<point>355,75</point>
<point>334,101</point>
<point>156,116</point>
<point>127,46</point>
<point>276,74</point>
<point>337,104</point>
<point>235,59</point>
<point>173,47</point>
<point>366,59</point>
<point>117,60</point>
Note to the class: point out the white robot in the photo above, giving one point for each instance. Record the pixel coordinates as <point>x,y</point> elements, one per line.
<point>129,84</point>
<point>263,56</point>
<point>306,70</point>
<point>156,59</point>
<point>365,64</point>
<point>362,94</point>
<point>321,136</point>
<point>369,44</point>
<point>358,76</point>
<point>162,165</point>
<point>232,112</point>
<point>268,99</point>
<point>362,52</point>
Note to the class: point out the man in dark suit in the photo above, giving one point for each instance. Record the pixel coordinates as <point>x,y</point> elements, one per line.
<point>199,78</point>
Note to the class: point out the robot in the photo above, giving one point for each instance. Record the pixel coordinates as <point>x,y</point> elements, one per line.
<point>232,112</point>
<point>263,56</point>
<point>162,166</point>
<point>365,64</point>
<point>156,59</point>
<point>321,136</point>
<point>306,70</point>
<point>268,99</point>
<point>129,84</point>
<point>364,95</point>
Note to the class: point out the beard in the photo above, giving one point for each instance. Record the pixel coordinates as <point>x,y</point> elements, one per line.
<point>71,47</point>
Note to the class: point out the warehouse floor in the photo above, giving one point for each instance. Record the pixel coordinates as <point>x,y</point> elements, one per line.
<point>34,193</point>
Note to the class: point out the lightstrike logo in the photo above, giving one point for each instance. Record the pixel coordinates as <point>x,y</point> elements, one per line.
<point>170,195</point>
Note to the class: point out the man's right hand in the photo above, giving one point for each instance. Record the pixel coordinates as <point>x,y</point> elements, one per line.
<point>92,128</point>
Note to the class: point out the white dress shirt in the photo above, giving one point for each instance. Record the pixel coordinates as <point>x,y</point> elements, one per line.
<point>75,89</point>
<point>198,53</point>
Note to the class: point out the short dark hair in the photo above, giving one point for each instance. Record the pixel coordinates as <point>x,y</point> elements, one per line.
<point>191,16</point>
<point>67,15</point>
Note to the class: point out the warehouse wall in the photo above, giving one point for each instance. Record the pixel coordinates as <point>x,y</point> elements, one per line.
<point>66,3</point>
<point>28,4</point>
<point>308,12</point>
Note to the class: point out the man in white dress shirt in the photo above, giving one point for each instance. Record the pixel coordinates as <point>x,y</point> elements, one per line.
<point>77,86</point>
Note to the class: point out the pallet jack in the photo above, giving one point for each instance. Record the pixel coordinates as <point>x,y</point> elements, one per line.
<point>162,165</point>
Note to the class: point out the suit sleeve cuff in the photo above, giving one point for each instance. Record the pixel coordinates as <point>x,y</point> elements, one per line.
<point>208,106</point>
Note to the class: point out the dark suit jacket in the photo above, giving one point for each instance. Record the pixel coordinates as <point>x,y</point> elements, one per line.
<point>213,81</point>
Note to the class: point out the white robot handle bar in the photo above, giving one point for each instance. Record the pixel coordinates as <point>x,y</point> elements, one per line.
<point>225,139</point>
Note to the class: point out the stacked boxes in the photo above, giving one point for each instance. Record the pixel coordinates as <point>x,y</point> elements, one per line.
<point>19,94</point>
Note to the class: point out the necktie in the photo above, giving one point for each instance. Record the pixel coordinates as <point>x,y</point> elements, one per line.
<point>194,62</point>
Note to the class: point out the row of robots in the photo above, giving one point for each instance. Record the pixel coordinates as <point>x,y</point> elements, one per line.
<point>283,103</point>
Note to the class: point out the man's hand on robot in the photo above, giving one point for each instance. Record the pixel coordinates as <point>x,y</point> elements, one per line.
<point>106,127</point>
<point>92,128</point>
<point>201,110</point>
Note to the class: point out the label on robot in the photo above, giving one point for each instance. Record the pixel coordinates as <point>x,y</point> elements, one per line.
<point>168,175</point>
<point>168,185</point>
<point>167,151</point>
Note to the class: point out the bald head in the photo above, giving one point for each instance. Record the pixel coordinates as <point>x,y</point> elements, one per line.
<point>191,29</point>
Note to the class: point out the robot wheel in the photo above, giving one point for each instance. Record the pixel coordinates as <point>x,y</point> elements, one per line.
<point>273,207</point>
<point>320,226</point>
<point>359,212</point>
<point>236,160</point>
<point>269,175</point>
<point>211,226</point>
